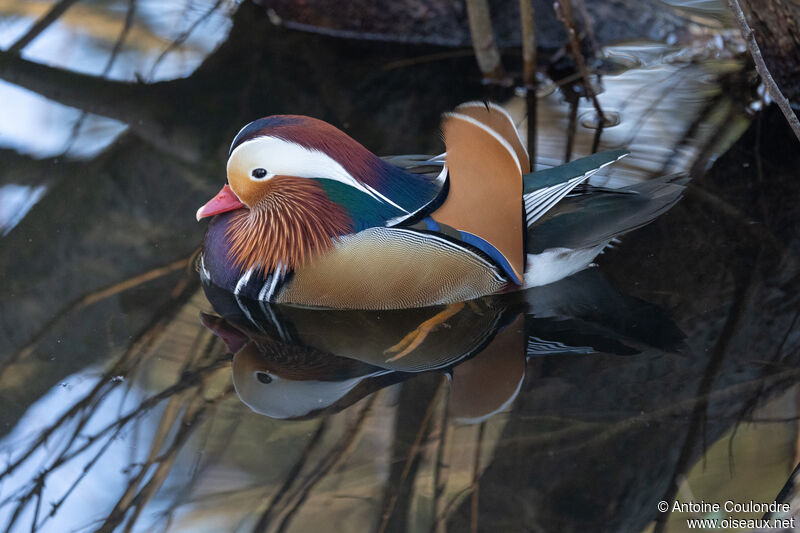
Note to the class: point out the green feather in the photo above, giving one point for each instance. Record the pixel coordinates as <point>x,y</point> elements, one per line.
<point>563,173</point>
<point>363,209</point>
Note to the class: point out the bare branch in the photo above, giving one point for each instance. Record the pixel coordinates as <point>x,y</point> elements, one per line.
<point>42,24</point>
<point>138,105</point>
<point>772,87</point>
<point>114,99</point>
<point>529,73</point>
<point>195,411</point>
<point>528,43</point>
<point>182,37</point>
<point>588,23</point>
<point>571,129</point>
<point>123,35</point>
<point>486,52</point>
<point>564,12</point>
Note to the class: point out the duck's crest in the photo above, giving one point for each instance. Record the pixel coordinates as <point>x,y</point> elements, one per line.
<point>394,186</point>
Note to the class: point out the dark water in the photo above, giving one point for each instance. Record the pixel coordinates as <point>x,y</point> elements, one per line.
<point>134,400</point>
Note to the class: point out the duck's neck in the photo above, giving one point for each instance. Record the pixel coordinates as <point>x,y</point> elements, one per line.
<point>296,222</point>
<point>405,189</point>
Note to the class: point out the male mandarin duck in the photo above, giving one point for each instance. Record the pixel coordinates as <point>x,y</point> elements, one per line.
<point>311,217</point>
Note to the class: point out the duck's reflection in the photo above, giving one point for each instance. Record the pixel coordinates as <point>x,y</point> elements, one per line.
<point>292,362</point>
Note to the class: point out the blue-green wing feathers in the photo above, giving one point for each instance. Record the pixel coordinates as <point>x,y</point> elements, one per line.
<point>585,167</point>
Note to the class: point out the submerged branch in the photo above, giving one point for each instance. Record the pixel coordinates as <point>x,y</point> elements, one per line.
<point>588,24</point>
<point>91,298</point>
<point>476,479</point>
<point>343,448</point>
<point>280,495</point>
<point>745,291</point>
<point>441,469</point>
<point>412,454</point>
<point>195,411</point>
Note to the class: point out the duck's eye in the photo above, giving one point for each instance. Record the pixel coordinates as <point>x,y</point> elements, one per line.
<point>258,173</point>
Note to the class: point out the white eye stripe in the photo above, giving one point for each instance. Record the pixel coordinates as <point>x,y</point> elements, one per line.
<point>288,158</point>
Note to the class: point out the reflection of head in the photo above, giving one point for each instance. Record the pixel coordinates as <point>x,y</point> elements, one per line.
<point>276,388</point>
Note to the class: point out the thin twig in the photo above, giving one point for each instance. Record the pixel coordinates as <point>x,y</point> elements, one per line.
<point>187,381</point>
<point>123,35</point>
<point>38,485</point>
<point>529,74</point>
<point>182,37</point>
<point>441,469</point>
<point>453,503</point>
<point>55,506</point>
<point>588,24</point>
<point>191,419</point>
<point>598,133</point>
<point>476,477</point>
<point>42,24</point>
<point>36,511</point>
<point>761,67</point>
<point>412,454</point>
<point>564,12</point>
<point>291,477</point>
<point>103,386</point>
<point>344,447</point>
<point>571,128</point>
<point>91,298</point>
<point>117,426</point>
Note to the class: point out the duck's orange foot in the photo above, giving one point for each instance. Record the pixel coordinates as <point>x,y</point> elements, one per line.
<point>411,341</point>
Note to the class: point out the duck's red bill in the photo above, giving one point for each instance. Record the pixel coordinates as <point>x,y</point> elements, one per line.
<point>233,338</point>
<point>225,200</point>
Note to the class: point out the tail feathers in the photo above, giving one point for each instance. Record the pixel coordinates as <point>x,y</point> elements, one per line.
<point>597,217</point>
<point>545,188</point>
<point>665,185</point>
<point>539,202</point>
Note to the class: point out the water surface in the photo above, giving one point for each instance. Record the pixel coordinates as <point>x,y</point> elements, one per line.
<point>135,400</point>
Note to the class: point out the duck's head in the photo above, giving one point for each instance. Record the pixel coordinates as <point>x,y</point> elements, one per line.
<point>292,146</point>
<point>293,180</point>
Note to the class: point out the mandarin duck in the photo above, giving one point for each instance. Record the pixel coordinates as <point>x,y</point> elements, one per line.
<point>311,217</point>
